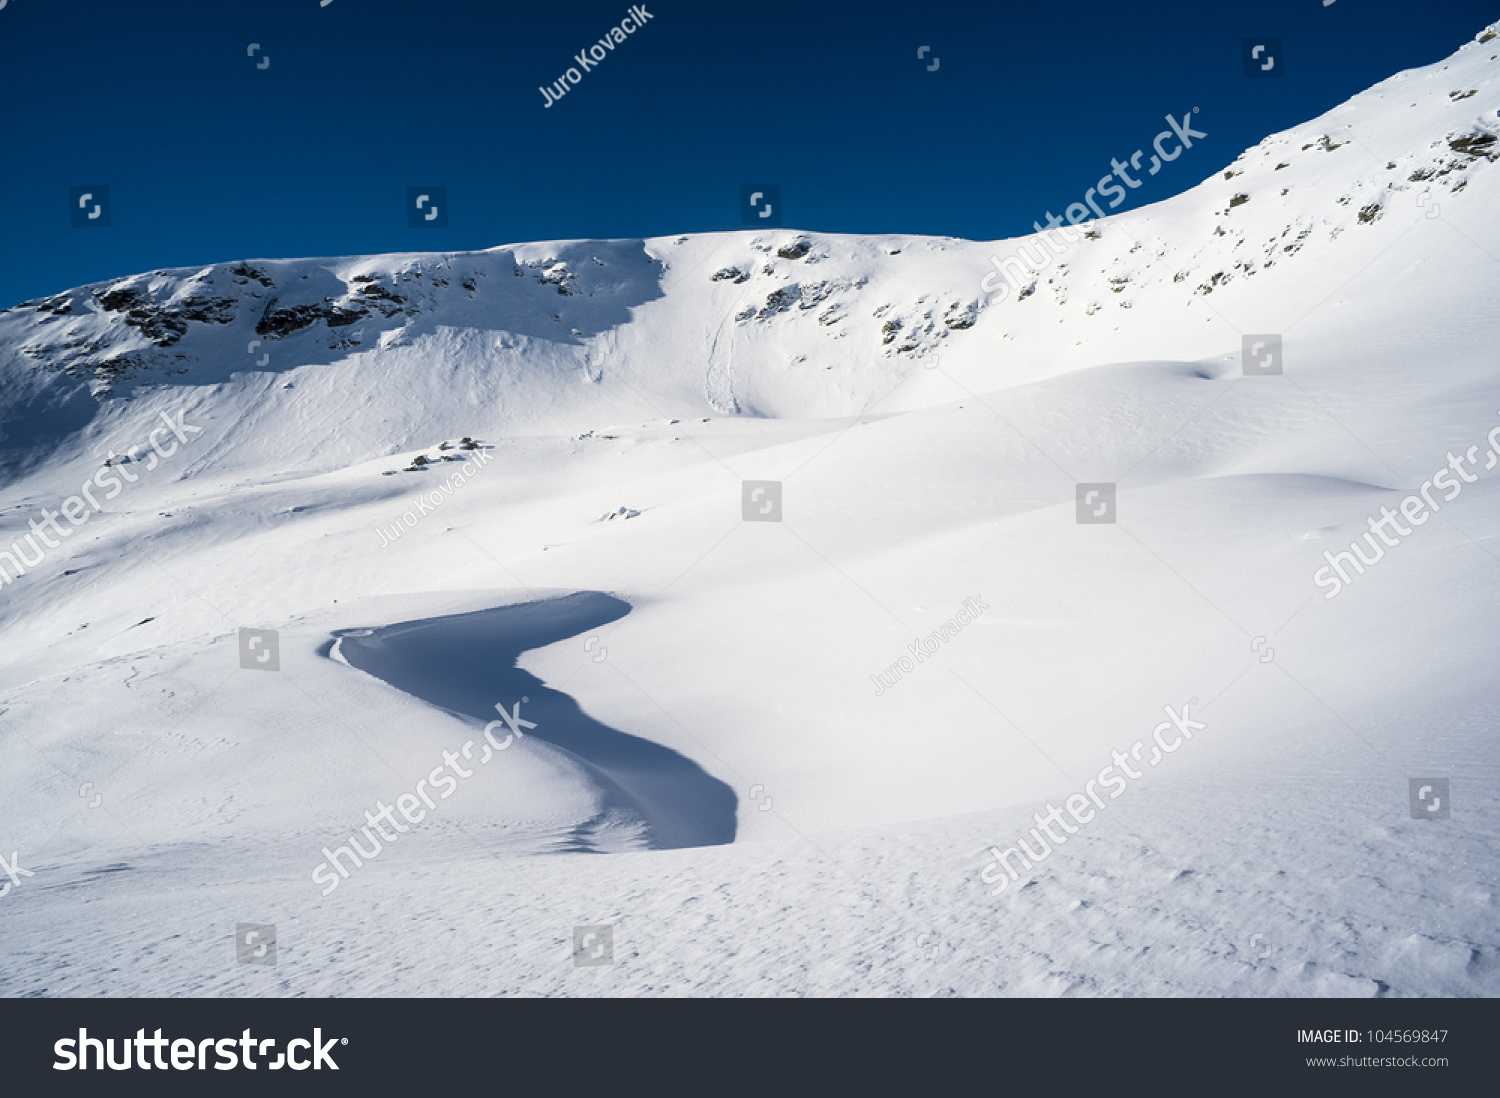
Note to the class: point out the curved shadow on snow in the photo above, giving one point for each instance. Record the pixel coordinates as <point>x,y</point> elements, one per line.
<point>466,663</point>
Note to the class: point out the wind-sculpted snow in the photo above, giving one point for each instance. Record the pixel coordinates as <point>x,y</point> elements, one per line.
<point>466,664</point>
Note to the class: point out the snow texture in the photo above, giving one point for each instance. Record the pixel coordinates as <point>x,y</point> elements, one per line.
<point>714,768</point>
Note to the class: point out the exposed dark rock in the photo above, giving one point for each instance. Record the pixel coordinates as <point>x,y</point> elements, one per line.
<point>1325,143</point>
<point>61,305</point>
<point>339,316</point>
<point>1474,144</point>
<point>162,323</point>
<point>120,297</point>
<point>779,301</point>
<point>207,310</point>
<point>161,327</point>
<point>961,317</point>
<point>813,294</point>
<point>280,323</point>
<point>255,274</point>
<point>562,278</point>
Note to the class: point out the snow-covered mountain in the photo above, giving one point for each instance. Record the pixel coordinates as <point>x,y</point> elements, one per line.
<point>388,459</point>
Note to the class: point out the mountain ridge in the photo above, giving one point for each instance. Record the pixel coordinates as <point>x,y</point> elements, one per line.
<point>816,324</point>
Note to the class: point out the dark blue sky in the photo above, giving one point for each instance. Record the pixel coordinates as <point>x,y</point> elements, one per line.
<point>208,157</point>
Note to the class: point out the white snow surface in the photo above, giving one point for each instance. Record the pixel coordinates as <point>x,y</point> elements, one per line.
<point>644,381</point>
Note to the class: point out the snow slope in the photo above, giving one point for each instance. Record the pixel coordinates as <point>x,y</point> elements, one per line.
<point>929,439</point>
